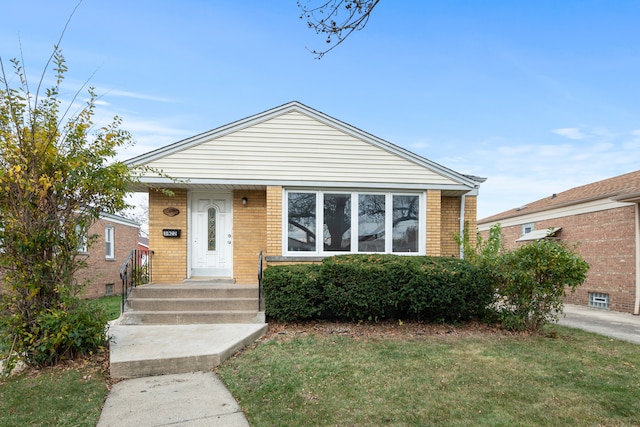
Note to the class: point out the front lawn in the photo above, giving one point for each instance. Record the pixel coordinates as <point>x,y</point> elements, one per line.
<point>415,375</point>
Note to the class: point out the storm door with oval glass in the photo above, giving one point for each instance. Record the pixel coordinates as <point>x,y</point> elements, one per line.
<point>211,237</point>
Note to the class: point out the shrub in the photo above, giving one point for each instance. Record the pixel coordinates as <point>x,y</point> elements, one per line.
<point>532,282</point>
<point>375,287</point>
<point>75,327</point>
<point>292,292</point>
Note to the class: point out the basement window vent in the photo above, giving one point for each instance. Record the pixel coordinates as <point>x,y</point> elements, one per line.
<point>598,300</point>
<point>108,289</point>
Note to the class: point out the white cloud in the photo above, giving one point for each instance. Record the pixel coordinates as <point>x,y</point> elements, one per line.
<point>571,133</point>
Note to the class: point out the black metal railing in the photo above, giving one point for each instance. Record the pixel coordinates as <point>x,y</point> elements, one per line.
<point>135,271</point>
<point>260,282</point>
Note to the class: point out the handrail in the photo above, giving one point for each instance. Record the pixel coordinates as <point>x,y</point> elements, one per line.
<point>135,271</point>
<point>260,282</point>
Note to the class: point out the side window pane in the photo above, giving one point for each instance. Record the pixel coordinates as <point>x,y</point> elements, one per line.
<point>108,239</point>
<point>212,216</point>
<point>371,213</point>
<point>301,220</point>
<point>406,230</point>
<point>337,222</point>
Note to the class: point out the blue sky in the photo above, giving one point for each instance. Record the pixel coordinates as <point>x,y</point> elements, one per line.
<point>538,97</point>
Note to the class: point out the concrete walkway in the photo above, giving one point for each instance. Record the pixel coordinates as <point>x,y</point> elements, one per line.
<point>622,326</point>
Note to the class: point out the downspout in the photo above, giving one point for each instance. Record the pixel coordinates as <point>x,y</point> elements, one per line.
<point>636,309</point>
<point>462,202</point>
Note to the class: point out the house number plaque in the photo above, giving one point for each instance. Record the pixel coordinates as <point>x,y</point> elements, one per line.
<point>170,233</point>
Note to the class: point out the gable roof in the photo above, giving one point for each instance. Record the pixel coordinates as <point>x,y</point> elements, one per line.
<point>295,144</point>
<point>622,188</point>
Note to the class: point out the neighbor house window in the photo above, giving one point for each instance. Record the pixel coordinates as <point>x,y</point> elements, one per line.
<point>109,235</point>
<point>598,300</point>
<point>526,228</point>
<point>353,222</point>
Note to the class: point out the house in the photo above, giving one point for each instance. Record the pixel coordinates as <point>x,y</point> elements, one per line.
<point>297,185</point>
<point>116,238</point>
<point>602,218</point>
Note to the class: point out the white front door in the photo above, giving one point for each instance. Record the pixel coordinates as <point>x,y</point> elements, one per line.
<point>212,233</point>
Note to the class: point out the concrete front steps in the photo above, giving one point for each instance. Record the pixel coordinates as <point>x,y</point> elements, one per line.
<point>194,303</point>
<point>190,327</point>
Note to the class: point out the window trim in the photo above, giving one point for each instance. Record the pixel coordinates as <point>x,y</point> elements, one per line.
<point>110,240</point>
<point>320,252</point>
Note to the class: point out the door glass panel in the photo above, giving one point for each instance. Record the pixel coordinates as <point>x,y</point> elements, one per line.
<point>337,222</point>
<point>371,214</point>
<point>212,215</point>
<point>301,220</point>
<point>406,223</point>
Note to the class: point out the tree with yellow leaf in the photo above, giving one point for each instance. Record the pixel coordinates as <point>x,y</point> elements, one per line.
<point>58,173</point>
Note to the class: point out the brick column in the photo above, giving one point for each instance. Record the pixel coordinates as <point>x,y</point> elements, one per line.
<point>434,221</point>
<point>274,221</point>
<point>170,254</point>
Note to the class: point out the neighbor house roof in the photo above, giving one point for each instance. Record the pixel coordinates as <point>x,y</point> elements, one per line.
<point>622,188</point>
<point>294,144</point>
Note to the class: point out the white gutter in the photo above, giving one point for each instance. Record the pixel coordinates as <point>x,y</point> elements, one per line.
<point>462,230</point>
<point>636,309</point>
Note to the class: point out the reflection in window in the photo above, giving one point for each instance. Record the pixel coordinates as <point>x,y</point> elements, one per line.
<point>301,222</point>
<point>337,222</point>
<point>212,215</point>
<point>406,223</point>
<point>371,215</point>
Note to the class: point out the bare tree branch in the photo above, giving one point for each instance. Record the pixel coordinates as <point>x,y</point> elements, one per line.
<point>336,19</point>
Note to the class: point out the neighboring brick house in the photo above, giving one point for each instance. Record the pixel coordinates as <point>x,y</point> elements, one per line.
<point>298,185</point>
<point>117,237</point>
<point>603,219</point>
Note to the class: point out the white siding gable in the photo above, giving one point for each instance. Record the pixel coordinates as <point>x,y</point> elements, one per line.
<point>295,147</point>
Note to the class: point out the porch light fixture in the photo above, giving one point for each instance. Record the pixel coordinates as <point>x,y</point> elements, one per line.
<point>244,201</point>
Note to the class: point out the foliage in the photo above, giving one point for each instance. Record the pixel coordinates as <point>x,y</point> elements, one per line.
<point>482,252</point>
<point>292,292</point>
<point>375,287</point>
<point>57,175</point>
<point>532,282</point>
<point>336,19</point>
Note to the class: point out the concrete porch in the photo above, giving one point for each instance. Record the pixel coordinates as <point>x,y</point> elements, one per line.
<point>189,327</point>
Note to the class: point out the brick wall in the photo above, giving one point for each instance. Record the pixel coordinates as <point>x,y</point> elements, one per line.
<point>250,234</point>
<point>170,254</point>
<point>450,212</point>
<point>103,272</point>
<point>434,222</point>
<point>274,221</point>
<point>606,240</point>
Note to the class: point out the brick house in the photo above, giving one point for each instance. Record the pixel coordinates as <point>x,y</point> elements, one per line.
<point>297,185</point>
<point>603,218</point>
<point>117,236</point>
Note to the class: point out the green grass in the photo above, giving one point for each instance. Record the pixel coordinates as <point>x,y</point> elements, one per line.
<point>485,379</point>
<point>54,397</point>
<point>112,305</point>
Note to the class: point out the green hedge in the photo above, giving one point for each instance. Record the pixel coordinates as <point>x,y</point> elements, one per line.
<point>376,287</point>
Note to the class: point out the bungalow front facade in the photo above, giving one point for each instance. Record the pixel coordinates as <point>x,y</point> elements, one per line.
<point>603,219</point>
<point>298,186</point>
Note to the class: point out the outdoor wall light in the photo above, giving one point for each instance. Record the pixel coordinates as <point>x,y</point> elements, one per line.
<point>244,201</point>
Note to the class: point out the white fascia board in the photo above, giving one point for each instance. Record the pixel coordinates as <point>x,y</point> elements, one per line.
<point>119,220</point>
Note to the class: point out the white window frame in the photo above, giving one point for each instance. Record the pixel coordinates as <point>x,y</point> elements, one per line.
<point>524,227</point>
<point>109,242</point>
<point>422,221</point>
